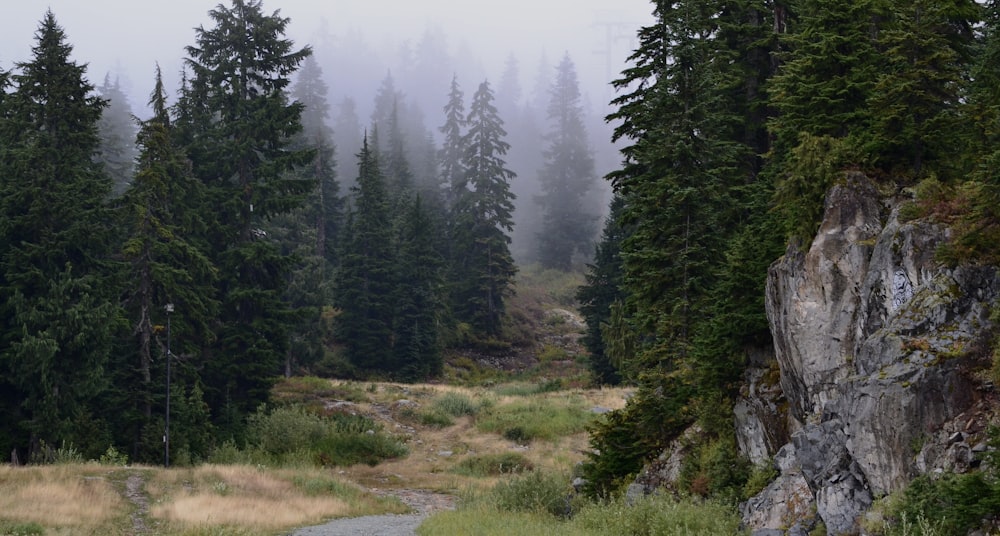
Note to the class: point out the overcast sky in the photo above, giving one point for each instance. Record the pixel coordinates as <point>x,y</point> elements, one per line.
<point>128,36</point>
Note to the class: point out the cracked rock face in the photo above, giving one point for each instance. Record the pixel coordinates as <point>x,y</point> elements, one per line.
<point>872,337</point>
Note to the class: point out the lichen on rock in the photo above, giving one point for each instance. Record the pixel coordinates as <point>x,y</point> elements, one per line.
<point>874,339</point>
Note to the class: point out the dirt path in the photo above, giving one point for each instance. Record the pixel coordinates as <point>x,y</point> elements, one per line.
<point>423,502</point>
<point>135,495</point>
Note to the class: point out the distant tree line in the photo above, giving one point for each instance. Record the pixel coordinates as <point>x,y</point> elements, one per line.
<point>738,116</point>
<point>227,206</point>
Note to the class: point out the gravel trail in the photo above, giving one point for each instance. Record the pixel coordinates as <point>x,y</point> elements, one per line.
<point>423,502</point>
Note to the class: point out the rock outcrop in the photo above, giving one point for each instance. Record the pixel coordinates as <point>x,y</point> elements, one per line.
<point>874,340</point>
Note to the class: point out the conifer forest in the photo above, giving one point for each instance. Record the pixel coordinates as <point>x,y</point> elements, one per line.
<point>246,227</point>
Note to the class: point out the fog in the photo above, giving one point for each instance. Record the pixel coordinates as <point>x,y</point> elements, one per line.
<point>359,45</point>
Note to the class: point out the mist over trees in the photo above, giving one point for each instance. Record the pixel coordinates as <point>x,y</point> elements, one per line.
<point>272,215</point>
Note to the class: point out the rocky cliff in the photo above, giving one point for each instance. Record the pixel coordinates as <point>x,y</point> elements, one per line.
<point>876,345</point>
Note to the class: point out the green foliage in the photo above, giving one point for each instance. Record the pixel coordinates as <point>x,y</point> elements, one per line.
<point>761,475</point>
<point>113,457</point>
<point>954,504</point>
<point>617,455</point>
<point>456,405</point>
<point>715,469</point>
<point>812,167</point>
<point>926,51</point>
<point>10,528</point>
<point>237,125</point>
<point>60,311</point>
<point>601,291</point>
<point>292,436</point>
<point>365,284</point>
<point>625,438</point>
<point>493,465</point>
<point>827,75</point>
<point>659,515</point>
<point>535,491</point>
<point>528,420</point>
<point>64,454</point>
<point>481,218</point>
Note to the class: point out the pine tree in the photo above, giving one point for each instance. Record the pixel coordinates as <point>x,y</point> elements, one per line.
<point>399,178</point>
<point>603,288</point>
<point>684,183</point>
<point>325,205</point>
<point>482,219</point>
<point>452,150</point>
<point>416,340</point>
<point>58,312</point>
<point>347,138</point>
<point>567,177</point>
<point>242,125</point>
<point>387,99</point>
<point>310,233</point>
<point>159,213</point>
<point>678,171</point>
<point>926,44</point>
<point>365,282</point>
<point>820,94</point>
<point>117,129</point>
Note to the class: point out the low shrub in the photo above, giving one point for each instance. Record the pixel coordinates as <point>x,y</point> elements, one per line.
<point>292,436</point>
<point>527,420</point>
<point>533,492</point>
<point>456,405</point>
<point>493,465</point>
<point>658,515</point>
<point>537,504</point>
<point>8,528</point>
<point>436,419</point>
<point>952,504</point>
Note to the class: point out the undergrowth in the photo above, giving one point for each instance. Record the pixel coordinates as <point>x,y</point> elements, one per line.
<point>292,436</point>
<point>544,504</point>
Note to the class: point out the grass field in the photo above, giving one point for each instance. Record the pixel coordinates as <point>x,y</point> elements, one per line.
<point>468,446</point>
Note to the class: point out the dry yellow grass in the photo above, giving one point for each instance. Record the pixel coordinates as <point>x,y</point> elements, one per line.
<point>241,510</point>
<point>60,496</point>
<point>253,498</point>
<point>87,498</point>
<point>429,464</point>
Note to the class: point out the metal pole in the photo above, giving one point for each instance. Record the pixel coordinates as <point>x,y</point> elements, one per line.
<point>166,430</point>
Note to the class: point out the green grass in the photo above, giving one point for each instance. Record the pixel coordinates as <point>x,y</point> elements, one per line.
<point>10,528</point>
<point>493,465</point>
<point>456,405</point>
<point>294,437</point>
<point>492,514</point>
<point>533,419</point>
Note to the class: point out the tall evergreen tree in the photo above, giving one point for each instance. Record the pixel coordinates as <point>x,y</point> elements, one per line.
<point>927,53</point>
<point>399,178</point>
<point>482,219</point>
<point>117,130</point>
<point>602,290</point>
<point>416,341</point>
<point>365,281</point>
<point>820,95</point>
<point>387,99</point>
<point>324,208</point>
<point>685,181</point>
<point>310,233</point>
<point>452,150</point>
<point>347,136</point>
<point>568,229</point>
<point>242,126</point>
<point>159,212</point>
<point>59,311</point>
